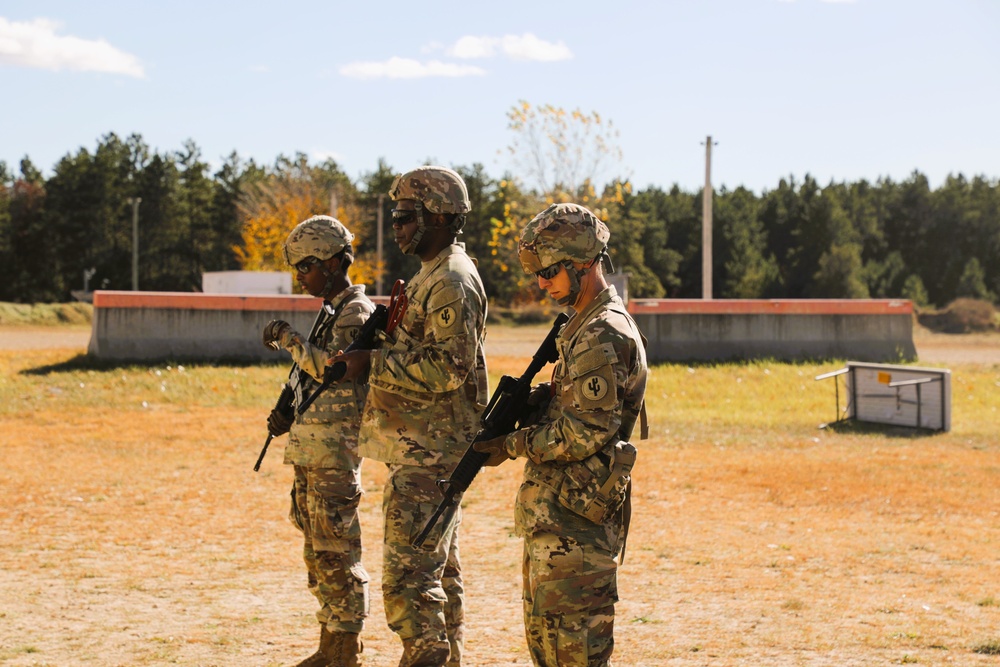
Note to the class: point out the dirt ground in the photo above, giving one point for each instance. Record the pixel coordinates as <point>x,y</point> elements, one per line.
<point>128,541</point>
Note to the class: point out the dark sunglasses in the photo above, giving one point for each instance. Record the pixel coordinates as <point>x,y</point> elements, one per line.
<point>550,271</point>
<point>306,265</point>
<point>400,218</point>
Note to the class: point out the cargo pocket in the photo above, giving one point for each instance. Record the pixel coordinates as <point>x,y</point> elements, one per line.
<point>575,595</point>
<point>294,515</point>
<point>594,488</point>
<point>334,522</point>
<point>359,582</point>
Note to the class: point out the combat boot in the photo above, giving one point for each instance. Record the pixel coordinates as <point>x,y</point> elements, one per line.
<point>336,649</point>
<point>343,649</point>
<point>319,659</point>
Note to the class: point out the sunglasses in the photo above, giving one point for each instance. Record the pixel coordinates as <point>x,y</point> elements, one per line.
<point>400,218</point>
<point>550,271</point>
<point>306,265</point>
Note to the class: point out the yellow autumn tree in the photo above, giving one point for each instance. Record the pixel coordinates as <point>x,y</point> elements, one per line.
<point>290,193</point>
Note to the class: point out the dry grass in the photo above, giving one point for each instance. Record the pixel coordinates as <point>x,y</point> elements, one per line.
<point>133,531</point>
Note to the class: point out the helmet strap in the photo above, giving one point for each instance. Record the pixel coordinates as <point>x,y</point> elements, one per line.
<point>411,247</point>
<point>575,275</point>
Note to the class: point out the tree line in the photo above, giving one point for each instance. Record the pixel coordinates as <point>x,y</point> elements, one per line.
<point>881,239</point>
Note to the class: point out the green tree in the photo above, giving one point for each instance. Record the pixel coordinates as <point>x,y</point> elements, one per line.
<point>839,273</point>
<point>913,289</point>
<point>745,270</point>
<point>972,282</point>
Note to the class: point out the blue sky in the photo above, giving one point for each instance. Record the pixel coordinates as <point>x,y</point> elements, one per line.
<point>843,89</point>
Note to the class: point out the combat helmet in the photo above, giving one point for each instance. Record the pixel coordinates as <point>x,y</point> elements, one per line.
<point>563,234</point>
<point>435,189</point>
<point>321,236</point>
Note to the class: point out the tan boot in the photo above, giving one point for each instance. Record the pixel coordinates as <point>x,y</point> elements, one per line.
<point>420,653</point>
<point>319,658</point>
<point>343,649</point>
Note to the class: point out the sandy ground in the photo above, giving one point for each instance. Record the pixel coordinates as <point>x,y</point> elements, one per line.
<point>134,542</point>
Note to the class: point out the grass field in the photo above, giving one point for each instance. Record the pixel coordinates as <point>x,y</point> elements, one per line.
<point>134,532</point>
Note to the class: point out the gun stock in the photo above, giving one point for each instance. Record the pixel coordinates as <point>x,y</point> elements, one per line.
<point>501,416</point>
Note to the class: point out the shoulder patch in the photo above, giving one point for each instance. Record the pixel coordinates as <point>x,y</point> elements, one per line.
<point>448,294</point>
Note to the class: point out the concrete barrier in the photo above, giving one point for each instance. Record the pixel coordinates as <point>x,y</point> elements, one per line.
<point>143,326</point>
<point>788,329</point>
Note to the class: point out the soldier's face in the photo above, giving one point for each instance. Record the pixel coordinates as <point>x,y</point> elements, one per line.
<point>557,285</point>
<point>404,222</point>
<point>311,277</point>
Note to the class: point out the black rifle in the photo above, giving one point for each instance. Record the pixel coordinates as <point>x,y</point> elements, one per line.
<point>284,406</point>
<point>367,340</point>
<point>287,396</point>
<point>506,407</point>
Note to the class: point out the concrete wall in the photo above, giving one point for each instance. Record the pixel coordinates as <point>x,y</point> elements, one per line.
<point>169,325</point>
<point>790,329</point>
<point>175,325</point>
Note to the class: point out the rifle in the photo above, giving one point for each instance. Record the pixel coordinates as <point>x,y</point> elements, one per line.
<point>287,395</point>
<point>382,319</point>
<point>367,340</point>
<point>502,414</point>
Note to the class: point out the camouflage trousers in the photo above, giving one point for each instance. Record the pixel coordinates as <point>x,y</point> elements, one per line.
<point>570,589</point>
<point>422,587</point>
<point>325,508</point>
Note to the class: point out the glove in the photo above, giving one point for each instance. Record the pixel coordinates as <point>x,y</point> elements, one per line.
<point>273,331</point>
<point>537,403</point>
<point>495,448</point>
<point>279,423</point>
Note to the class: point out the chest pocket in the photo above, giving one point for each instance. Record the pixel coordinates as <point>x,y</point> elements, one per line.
<point>592,374</point>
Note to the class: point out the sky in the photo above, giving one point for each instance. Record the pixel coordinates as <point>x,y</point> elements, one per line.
<point>843,90</point>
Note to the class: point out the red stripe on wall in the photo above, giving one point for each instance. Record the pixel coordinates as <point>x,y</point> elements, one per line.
<point>772,306</point>
<point>200,301</point>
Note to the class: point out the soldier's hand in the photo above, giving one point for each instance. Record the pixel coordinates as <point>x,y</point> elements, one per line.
<point>273,331</point>
<point>357,362</point>
<point>540,394</point>
<point>279,423</point>
<point>495,448</point>
<point>536,404</point>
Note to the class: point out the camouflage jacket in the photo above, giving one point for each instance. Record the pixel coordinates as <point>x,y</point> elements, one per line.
<point>428,379</point>
<point>597,389</point>
<point>326,435</point>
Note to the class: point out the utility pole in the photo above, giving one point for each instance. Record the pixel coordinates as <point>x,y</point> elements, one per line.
<point>135,241</point>
<point>706,225</point>
<point>378,245</point>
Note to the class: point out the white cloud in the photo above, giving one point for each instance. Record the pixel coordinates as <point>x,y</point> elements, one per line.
<point>516,47</point>
<point>474,47</point>
<point>36,44</point>
<point>407,68</point>
<point>431,47</point>
<point>261,69</point>
<point>529,47</point>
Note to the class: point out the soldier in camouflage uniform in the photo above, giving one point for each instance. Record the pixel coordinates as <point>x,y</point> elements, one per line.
<point>323,441</point>
<point>428,389</point>
<point>573,508</point>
